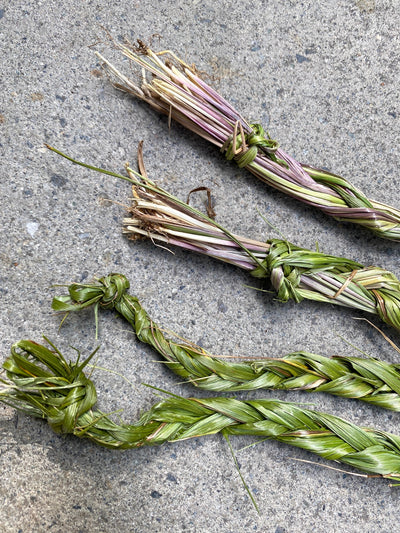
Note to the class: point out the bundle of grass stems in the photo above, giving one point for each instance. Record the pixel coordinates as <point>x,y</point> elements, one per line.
<point>367,379</point>
<point>40,382</point>
<point>295,273</point>
<point>176,89</point>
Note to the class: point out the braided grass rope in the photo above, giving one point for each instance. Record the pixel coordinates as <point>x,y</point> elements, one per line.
<point>41,383</point>
<point>295,273</point>
<point>177,90</point>
<point>370,380</point>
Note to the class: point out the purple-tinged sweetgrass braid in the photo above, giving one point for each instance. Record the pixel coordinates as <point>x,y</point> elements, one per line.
<point>295,273</point>
<point>176,89</point>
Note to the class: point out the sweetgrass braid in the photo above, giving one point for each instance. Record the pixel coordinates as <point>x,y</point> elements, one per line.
<point>178,91</point>
<point>41,383</point>
<point>370,380</point>
<point>295,273</point>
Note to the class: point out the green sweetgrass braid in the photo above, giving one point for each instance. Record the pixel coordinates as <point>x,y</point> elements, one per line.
<point>370,380</point>
<point>41,383</point>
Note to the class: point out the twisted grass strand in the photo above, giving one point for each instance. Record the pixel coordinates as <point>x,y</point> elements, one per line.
<point>177,90</point>
<point>370,380</point>
<point>41,383</point>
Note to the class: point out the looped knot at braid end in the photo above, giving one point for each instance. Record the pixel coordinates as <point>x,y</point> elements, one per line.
<point>115,286</point>
<point>297,273</point>
<point>244,147</point>
<point>107,292</point>
<point>45,385</point>
<point>281,268</point>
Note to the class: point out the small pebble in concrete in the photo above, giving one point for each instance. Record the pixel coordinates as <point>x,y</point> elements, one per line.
<point>31,228</point>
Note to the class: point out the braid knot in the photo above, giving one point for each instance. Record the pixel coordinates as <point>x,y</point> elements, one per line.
<point>281,266</point>
<point>107,292</point>
<point>244,147</point>
<point>66,393</point>
<point>114,288</point>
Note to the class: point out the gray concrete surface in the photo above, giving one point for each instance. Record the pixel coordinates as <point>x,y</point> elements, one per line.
<point>323,77</point>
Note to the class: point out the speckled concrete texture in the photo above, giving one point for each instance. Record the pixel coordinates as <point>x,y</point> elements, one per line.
<point>323,78</point>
